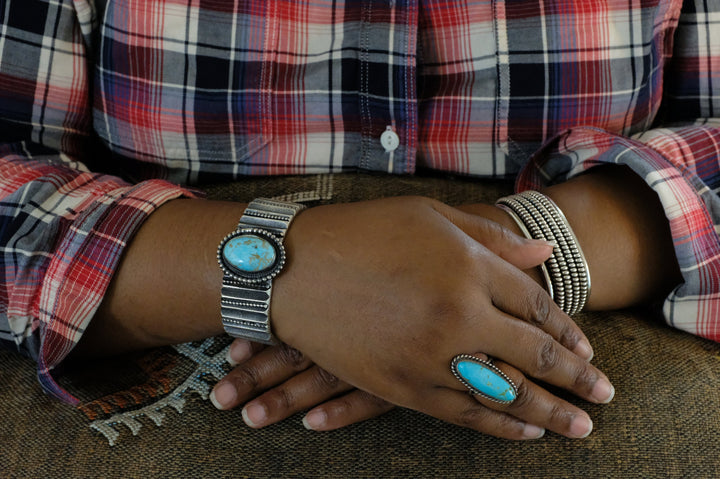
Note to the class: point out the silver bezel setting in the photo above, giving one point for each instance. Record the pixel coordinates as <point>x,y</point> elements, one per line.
<point>258,277</point>
<point>488,364</point>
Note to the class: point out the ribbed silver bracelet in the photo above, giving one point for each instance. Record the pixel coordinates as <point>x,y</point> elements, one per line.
<point>245,294</point>
<point>566,272</point>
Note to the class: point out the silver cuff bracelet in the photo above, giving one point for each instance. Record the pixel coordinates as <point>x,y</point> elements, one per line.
<point>566,271</point>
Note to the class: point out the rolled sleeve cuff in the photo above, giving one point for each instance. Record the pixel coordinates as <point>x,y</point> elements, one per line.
<point>678,164</point>
<point>83,266</point>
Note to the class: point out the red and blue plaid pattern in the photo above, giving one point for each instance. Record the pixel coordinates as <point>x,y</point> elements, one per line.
<point>194,91</point>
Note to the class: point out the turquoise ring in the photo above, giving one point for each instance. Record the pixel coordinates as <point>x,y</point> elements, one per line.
<point>483,378</point>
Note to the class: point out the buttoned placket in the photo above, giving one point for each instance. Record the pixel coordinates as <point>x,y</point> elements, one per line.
<point>389,131</point>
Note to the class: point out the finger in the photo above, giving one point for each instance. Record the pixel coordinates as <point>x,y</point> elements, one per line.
<point>544,358</point>
<point>537,307</point>
<point>269,367</point>
<point>305,390</point>
<point>351,408</point>
<point>241,350</point>
<point>526,300</point>
<point>535,405</point>
<point>460,408</point>
<point>521,252</point>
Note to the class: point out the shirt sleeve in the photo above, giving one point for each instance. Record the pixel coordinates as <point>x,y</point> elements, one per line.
<point>680,161</point>
<point>62,232</point>
<point>681,165</point>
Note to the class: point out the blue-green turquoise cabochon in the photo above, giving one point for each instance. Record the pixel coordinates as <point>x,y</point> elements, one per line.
<point>249,253</point>
<point>486,380</point>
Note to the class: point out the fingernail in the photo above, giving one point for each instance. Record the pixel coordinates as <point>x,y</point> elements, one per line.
<point>314,420</point>
<point>238,352</point>
<point>254,415</point>
<point>223,395</point>
<point>584,350</point>
<point>581,426</point>
<point>603,391</point>
<point>533,432</point>
<point>552,244</point>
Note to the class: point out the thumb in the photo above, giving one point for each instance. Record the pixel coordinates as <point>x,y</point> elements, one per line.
<point>521,252</point>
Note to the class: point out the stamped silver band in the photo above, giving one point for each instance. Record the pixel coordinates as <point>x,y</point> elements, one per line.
<point>245,296</point>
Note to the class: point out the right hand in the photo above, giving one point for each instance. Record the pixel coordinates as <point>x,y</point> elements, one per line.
<point>383,294</point>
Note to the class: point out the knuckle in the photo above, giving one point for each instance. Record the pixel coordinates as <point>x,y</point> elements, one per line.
<point>246,377</point>
<point>374,402</point>
<point>339,407</point>
<point>443,308</point>
<point>547,359</point>
<point>558,415</point>
<point>498,239</point>
<point>325,380</point>
<point>472,417</point>
<point>419,200</point>
<point>447,318</point>
<point>540,308</point>
<point>569,338</point>
<point>455,298</point>
<point>291,357</point>
<point>585,379</point>
<point>504,235</point>
<point>400,376</point>
<point>417,206</point>
<point>509,427</point>
<point>285,398</point>
<point>524,397</point>
<point>491,422</point>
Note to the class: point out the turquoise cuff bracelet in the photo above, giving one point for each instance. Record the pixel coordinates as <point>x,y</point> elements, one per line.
<point>250,257</point>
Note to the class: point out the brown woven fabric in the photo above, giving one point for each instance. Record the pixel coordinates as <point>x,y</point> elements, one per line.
<point>663,422</point>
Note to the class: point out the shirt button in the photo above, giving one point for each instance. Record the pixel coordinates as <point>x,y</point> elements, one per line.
<point>389,140</point>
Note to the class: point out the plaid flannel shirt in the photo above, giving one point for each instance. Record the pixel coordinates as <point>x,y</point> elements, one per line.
<point>164,93</point>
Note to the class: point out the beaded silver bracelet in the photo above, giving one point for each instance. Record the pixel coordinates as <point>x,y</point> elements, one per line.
<point>566,272</point>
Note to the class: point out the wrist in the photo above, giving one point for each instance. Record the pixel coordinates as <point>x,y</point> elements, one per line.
<point>290,286</point>
<point>566,272</point>
<point>250,258</point>
<point>621,225</point>
<point>166,289</point>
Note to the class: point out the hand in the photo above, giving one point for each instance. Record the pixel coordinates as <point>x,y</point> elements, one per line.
<point>280,381</point>
<point>383,294</point>
<point>399,288</point>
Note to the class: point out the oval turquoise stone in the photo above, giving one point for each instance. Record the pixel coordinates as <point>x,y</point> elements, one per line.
<point>486,380</point>
<point>249,253</point>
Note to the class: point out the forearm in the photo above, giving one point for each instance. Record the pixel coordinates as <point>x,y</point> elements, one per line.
<point>167,287</point>
<point>624,234</point>
<point>380,280</point>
